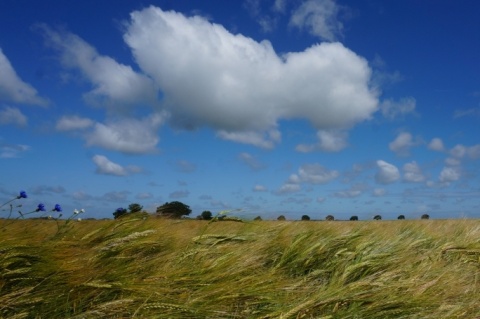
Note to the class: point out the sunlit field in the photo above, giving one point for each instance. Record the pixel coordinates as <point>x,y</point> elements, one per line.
<point>159,268</point>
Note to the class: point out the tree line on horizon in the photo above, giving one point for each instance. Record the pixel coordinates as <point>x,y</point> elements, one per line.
<point>177,210</point>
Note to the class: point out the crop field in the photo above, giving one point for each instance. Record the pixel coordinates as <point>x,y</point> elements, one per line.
<point>160,268</point>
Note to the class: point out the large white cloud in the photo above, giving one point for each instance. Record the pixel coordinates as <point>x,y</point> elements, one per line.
<point>13,89</point>
<point>387,173</point>
<point>237,85</point>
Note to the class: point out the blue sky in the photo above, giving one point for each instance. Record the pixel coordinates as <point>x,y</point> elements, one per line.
<point>269,107</point>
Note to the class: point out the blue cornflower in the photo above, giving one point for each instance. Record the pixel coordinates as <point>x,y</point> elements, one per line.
<point>57,208</point>
<point>40,208</point>
<point>23,194</point>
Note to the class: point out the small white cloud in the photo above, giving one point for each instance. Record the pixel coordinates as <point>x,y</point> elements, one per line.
<point>259,188</point>
<point>70,123</point>
<point>308,174</point>
<point>313,174</point>
<point>12,115</point>
<point>394,109</point>
<point>459,151</point>
<point>412,173</point>
<point>266,140</point>
<point>449,174</point>
<point>134,136</point>
<point>329,141</point>
<point>13,89</point>
<point>107,167</point>
<point>451,161</point>
<point>319,17</point>
<point>387,173</point>
<point>288,188</point>
<point>436,144</point>
<point>350,193</point>
<point>402,144</point>
<point>378,192</point>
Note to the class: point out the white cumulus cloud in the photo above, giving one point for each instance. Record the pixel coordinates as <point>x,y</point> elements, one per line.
<point>134,136</point>
<point>436,144</point>
<point>449,174</point>
<point>241,87</point>
<point>313,174</point>
<point>387,173</point>
<point>402,144</point>
<point>412,173</point>
<point>107,167</point>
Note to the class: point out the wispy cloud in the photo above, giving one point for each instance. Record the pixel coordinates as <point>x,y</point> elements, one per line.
<point>8,150</point>
<point>320,18</point>
<point>251,161</point>
<point>12,115</point>
<point>13,89</point>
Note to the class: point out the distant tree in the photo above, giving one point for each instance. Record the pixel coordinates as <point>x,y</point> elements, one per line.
<point>173,210</point>
<point>305,217</point>
<point>135,208</point>
<point>354,217</point>
<point>258,218</point>
<point>119,212</point>
<point>377,217</point>
<point>281,217</point>
<point>206,215</point>
<point>401,217</point>
<point>329,218</point>
<point>425,216</point>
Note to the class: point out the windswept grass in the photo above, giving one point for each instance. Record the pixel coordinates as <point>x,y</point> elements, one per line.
<point>154,268</point>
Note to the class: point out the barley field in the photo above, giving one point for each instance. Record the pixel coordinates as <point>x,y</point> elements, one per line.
<point>159,268</point>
